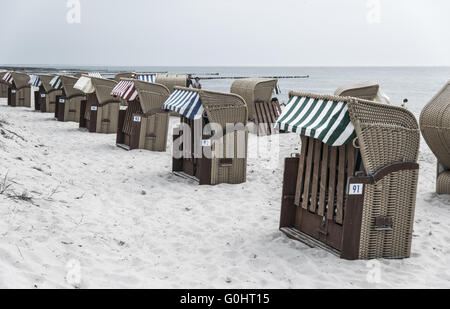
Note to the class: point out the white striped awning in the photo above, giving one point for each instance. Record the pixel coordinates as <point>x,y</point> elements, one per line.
<point>125,89</point>
<point>8,78</point>
<point>95,74</point>
<point>56,83</point>
<point>35,81</point>
<point>85,85</point>
<point>150,78</point>
<point>327,121</point>
<point>186,103</point>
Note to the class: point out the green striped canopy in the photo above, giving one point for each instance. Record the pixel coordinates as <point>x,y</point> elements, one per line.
<point>56,83</point>
<point>325,120</point>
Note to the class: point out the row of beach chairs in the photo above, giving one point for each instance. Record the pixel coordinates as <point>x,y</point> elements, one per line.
<point>352,188</point>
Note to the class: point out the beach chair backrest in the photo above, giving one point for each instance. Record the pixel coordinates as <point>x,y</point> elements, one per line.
<point>435,125</point>
<point>21,80</point>
<point>68,83</point>
<point>151,96</point>
<point>103,88</point>
<point>366,91</point>
<point>254,90</point>
<point>171,80</point>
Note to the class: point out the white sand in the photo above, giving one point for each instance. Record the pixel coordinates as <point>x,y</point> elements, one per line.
<point>129,223</point>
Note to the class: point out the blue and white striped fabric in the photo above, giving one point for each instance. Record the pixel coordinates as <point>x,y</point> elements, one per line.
<point>35,81</point>
<point>150,78</point>
<point>186,103</point>
<point>95,74</point>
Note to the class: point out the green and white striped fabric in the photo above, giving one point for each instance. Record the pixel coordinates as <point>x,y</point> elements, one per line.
<point>56,83</point>
<point>327,121</point>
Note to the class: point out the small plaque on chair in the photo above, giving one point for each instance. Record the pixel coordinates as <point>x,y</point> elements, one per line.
<point>93,108</point>
<point>206,143</point>
<point>123,108</point>
<point>356,189</point>
<point>62,100</point>
<point>13,91</point>
<point>43,95</point>
<point>137,118</point>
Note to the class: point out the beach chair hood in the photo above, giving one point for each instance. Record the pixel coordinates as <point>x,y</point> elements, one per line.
<point>385,134</point>
<point>220,108</point>
<point>435,125</point>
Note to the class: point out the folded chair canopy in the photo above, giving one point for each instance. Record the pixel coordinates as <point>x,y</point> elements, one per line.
<point>125,89</point>
<point>186,103</point>
<point>326,119</point>
<point>35,81</point>
<point>150,78</point>
<point>8,78</point>
<point>100,86</point>
<point>56,83</point>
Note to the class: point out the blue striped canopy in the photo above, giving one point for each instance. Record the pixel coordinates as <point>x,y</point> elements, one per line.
<point>35,81</point>
<point>186,103</point>
<point>150,78</point>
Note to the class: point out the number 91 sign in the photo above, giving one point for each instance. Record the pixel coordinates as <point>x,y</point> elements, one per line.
<point>356,189</point>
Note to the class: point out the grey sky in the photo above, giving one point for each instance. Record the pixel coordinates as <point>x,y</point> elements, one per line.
<point>226,32</point>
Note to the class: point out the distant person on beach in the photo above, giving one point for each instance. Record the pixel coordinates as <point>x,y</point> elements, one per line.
<point>196,84</point>
<point>189,81</point>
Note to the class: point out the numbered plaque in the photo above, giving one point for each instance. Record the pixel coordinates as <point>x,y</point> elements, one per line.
<point>93,108</point>
<point>43,95</point>
<point>137,118</point>
<point>62,101</point>
<point>356,189</point>
<point>206,143</point>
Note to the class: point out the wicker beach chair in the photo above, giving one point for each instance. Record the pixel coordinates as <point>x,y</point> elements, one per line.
<point>47,94</point>
<point>100,111</point>
<point>19,89</point>
<point>352,189</point>
<point>210,159</point>
<point>3,86</point>
<point>68,106</point>
<point>435,126</point>
<point>257,93</point>
<point>144,124</point>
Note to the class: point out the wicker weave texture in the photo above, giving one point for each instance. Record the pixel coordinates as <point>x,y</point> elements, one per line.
<point>72,109</point>
<point>171,80</point>
<point>395,197</point>
<point>45,79</point>
<point>108,118</point>
<point>435,125</point>
<point>50,100</point>
<point>103,89</point>
<point>20,80</point>
<point>119,76</point>
<point>254,89</point>
<point>154,132</point>
<point>151,96</point>
<point>366,91</point>
<point>236,172</point>
<point>443,183</point>
<point>68,82</point>
<point>386,134</point>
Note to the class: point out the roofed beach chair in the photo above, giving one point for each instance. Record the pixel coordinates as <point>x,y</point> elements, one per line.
<point>3,86</point>
<point>100,110</point>
<point>352,189</point>
<point>257,93</point>
<point>48,94</point>
<point>19,89</point>
<point>143,124</point>
<point>210,146</point>
<point>435,126</point>
<point>35,82</point>
<point>68,106</point>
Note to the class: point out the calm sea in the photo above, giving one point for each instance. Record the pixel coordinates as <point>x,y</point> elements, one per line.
<point>417,84</point>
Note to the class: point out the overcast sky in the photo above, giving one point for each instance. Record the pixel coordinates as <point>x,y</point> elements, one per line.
<point>226,32</point>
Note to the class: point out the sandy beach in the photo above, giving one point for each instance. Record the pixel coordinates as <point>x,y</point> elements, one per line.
<point>78,212</point>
